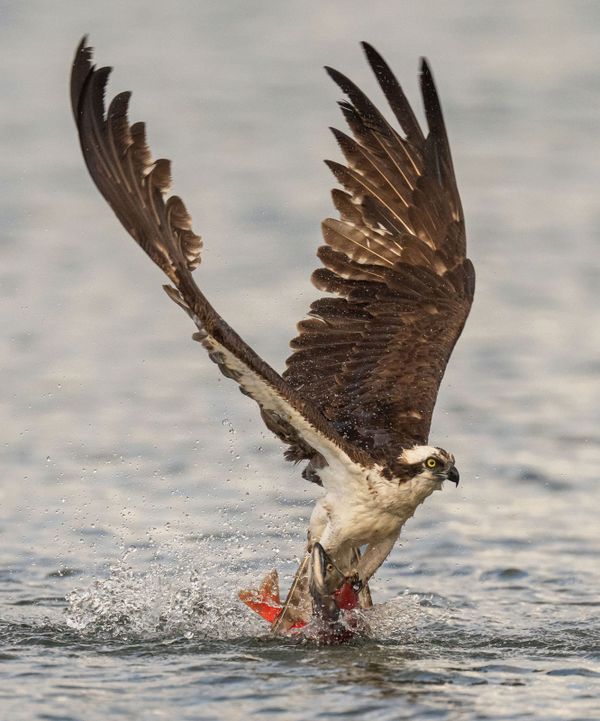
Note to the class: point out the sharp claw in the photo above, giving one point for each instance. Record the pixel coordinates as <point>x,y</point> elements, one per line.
<point>354,581</point>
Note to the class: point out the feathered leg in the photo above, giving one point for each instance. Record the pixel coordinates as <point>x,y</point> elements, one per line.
<point>374,555</point>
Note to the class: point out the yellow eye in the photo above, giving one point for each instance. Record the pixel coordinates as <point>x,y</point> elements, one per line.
<point>431,462</point>
<point>329,567</point>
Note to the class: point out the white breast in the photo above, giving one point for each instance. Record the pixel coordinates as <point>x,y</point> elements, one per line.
<point>371,508</point>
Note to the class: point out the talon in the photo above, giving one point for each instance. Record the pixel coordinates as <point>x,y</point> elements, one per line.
<point>354,581</point>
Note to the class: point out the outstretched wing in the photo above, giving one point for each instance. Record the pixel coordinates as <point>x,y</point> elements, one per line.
<point>135,187</point>
<point>372,358</point>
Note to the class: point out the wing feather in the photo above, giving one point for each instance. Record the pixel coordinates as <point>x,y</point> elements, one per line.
<point>135,186</point>
<point>373,357</point>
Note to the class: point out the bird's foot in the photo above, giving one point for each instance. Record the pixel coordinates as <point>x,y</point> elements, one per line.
<point>354,581</point>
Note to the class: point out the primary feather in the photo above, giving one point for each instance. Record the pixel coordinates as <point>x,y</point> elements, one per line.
<point>372,359</point>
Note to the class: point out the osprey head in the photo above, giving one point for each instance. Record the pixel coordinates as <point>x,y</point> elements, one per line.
<point>429,463</point>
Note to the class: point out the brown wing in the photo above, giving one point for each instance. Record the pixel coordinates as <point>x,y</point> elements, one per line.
<point>372,358</point>
<point>135,187</point>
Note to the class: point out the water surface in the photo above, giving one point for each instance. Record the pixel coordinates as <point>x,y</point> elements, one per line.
<point>138,490</point>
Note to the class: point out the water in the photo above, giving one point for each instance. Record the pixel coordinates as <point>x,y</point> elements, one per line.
<point>139,493</point>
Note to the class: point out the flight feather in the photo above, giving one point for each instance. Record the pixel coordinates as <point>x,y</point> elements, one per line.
<point>372,354</point>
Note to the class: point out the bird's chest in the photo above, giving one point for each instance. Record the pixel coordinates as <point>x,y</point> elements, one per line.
<point>364,518</point>
<point>376,508</point>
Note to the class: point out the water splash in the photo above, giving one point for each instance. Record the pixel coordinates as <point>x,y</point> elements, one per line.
<point>165,603</point>
<point>159,603</point>
<point>404,617</point>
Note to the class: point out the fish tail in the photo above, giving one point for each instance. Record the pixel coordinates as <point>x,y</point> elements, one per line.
<point>297,607</point>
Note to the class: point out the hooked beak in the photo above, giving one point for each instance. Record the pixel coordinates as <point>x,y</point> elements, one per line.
<point>453,475</point>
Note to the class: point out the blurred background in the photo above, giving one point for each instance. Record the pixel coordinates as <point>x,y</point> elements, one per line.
<point>123,447</point>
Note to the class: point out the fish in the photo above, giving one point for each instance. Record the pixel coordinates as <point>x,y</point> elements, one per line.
<point>335,617</point>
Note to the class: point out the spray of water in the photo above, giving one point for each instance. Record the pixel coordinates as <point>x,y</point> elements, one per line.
<point>159,602</point>
<point>186,601</point>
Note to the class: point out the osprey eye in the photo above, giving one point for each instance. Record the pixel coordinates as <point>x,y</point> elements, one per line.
<point>431,462</point>
<point>329,567</point>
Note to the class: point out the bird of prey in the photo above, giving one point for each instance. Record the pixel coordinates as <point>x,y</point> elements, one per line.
<point>356,398</point>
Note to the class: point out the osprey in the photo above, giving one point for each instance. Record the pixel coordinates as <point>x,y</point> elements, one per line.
<point>358,392</point>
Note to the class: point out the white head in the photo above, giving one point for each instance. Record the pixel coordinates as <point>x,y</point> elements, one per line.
<point>429,463</point>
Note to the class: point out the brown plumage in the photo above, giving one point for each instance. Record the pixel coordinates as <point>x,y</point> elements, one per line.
<point>372,359</point>
<point>135,186</point>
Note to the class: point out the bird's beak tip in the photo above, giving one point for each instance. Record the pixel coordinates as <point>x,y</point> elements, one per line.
<point>453,475</point>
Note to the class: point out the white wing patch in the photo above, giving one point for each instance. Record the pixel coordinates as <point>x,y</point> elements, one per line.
<point>253,385</point>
